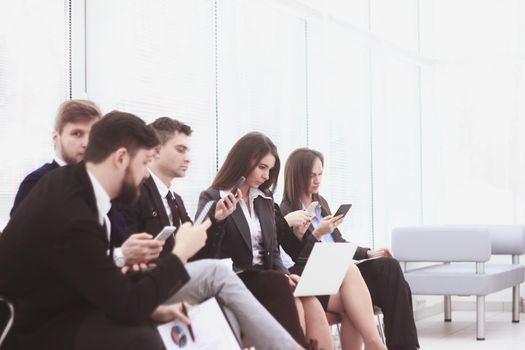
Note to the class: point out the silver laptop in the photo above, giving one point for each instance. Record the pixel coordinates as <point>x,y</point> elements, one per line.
<point>325,269</point>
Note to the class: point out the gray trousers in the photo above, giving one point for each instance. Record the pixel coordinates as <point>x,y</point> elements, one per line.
<point>211,278</point>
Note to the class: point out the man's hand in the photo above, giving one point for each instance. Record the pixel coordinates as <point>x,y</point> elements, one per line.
<point>299,220</point>
<point>227,205</point>
<point>168,313</point>
<point>137,267</point>
<point>190,239</point>
<point>327,225</point>
<point>380,252</point>
<point>140,248</point>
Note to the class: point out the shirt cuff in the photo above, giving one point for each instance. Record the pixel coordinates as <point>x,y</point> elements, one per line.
<point>118,257</point>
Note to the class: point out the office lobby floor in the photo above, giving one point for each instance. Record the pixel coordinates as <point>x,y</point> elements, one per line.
<point>460,334</point>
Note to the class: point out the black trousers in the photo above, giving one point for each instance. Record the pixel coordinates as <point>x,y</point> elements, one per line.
<point>392,294</point>
<point>273,291</point>
<point>98,332</point>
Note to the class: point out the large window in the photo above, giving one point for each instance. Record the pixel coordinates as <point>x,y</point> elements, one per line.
<point>417,106</point>
<point>340,127</point>
<point>34,80</point>
<point>157,58</point>
<point>262,76</point>
<point>473,111</point>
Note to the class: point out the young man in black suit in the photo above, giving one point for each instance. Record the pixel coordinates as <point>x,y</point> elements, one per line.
<point>54,253</point>
<point>159,206</point>
<point>70,138</point>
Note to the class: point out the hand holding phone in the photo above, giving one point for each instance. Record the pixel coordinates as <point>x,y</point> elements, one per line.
<point>165,233</point>
<point>227,204</point>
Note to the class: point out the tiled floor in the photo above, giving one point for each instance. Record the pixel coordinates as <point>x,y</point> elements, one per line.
<point>460,334</point>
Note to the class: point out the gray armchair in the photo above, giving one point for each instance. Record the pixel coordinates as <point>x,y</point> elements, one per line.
<point>460,254</point>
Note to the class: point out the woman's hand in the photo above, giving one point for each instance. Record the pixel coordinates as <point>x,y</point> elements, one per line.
<point>380,252</point>
<point>168,313</point>
<point>227,205</point>
<point>327,225</point>
<point>299,220</point>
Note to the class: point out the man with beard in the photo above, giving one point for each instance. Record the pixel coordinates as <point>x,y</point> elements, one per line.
<point>73,123</point>
<point>54,263</point>
<point>70,138</point>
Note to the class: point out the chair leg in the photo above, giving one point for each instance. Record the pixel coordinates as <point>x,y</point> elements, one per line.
<point>447,302</point>
<point>381,328</point>
<point>335,330</point>
<point>9,323</point>
<point>480,317</point>
<point>516,304</point>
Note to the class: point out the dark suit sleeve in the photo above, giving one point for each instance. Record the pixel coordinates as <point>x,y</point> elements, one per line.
<point>79,255</point>
<point>299,250</point>
<point>216,231</point>
<point>285,236</point>
<point>23,190</point>
<point>277,261</point>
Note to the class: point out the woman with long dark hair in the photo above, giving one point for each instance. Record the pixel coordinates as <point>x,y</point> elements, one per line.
<point>383,276</point>
<point>250,239</point>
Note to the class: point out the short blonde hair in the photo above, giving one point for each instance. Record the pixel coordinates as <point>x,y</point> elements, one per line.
<point>76,110</point>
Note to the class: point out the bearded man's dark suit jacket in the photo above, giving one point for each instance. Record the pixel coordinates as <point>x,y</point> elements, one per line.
<point>54,266</point>
<point>149,215</point>
<point>119,232</point>
<point>383,277</point>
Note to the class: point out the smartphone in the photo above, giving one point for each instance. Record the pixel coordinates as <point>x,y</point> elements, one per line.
<point>343,209</point>
<point>204,212</point>
<point>165,233</point>
<point>238,184</point>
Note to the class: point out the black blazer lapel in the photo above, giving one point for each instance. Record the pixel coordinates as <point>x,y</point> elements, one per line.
<point>265,213</point>
<point>156,202</point>
<point>183,214</point>
<point>242,226</point>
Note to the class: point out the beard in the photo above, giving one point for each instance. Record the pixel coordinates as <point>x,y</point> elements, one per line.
<point>68,158</point>
<point>129,193</point>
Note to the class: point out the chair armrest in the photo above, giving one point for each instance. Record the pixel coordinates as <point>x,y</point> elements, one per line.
<point>507,239</point>
<point>441,243</point>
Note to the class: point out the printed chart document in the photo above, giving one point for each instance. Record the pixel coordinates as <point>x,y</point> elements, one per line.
<point>210,328</point>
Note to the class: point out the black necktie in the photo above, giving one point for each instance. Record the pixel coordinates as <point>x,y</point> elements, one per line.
<point>174,209</point>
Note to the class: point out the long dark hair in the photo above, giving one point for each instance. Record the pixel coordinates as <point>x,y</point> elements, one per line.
<point>297,175</point>
<point>244,157</point>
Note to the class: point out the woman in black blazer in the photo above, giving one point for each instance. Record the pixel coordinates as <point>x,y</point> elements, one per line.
<point>383,276</point>
<point>249,235</point>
